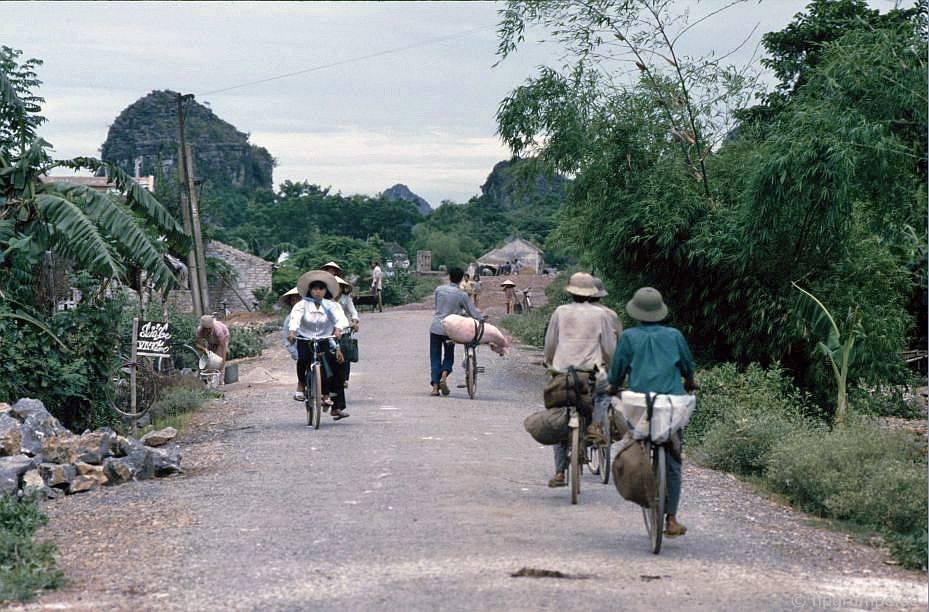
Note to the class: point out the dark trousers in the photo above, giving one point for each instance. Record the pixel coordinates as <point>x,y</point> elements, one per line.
<point>441,355</point>
<point>331,370</point>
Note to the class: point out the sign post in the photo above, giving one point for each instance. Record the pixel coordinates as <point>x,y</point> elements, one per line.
<point>132,373</point>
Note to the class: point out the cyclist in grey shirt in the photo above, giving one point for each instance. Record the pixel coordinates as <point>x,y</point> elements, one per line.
<point>449,299</point>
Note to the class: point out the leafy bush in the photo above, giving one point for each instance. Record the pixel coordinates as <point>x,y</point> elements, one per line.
<point>888,400</point>
<point>26,566</point>
<point>728,394</point>
<point>266,299</point>
<point>179,399</point>
<point>740,442</point>
<point>405,288</point>
<point>244,342</point>
<point>859,473</point>
<point>530,328</point>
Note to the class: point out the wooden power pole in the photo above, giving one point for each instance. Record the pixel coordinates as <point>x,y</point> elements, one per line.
<point>193,275</point>
<point>198,235</point>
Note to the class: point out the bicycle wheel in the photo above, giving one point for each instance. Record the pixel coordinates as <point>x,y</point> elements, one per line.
<point>605,452</point>
<point>654,514</point>
<point>594,459</point>
<point>471,371</point>
<point>118,390</point>
<point>317,395</point>
<point>575,463</point>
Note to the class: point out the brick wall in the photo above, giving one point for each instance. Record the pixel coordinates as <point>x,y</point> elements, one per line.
<point>253,272</point>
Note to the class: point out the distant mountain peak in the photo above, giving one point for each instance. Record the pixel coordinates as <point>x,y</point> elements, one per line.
<point>402,192</point>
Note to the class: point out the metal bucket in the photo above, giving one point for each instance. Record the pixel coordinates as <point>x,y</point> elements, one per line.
<point>210,361</point>
<point>232,373</point>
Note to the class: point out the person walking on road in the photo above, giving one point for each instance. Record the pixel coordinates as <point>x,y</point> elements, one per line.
<point>656,358</point>
<point>377,284</point>
<point>581,335</point>
<point>449,299</point>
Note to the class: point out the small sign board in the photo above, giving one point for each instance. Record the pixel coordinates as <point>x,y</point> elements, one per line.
<point>154,339</point>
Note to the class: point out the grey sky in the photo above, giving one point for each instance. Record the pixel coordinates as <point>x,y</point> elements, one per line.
<point>422,116</point>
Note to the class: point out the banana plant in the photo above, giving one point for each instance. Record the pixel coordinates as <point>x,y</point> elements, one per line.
<point>836,346</point>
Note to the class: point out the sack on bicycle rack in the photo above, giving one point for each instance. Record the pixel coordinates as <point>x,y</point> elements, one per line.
<point>549,426</point>
<point>569,389</point>
<point>670,413</point>
<point>632,474</point>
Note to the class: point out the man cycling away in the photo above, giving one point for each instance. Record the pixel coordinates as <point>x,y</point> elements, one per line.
<point>582,336</point>
<point>656,358</point>
<point>317,316</point>
<point>449,299</point>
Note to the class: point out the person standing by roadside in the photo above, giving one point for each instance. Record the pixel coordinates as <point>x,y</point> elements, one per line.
<point>377,284</point>
<point>351,313</point>
<point>656,358</point>
<point>580,335</point>
<point>449,299</point>
<point>476,286</point>
<point>467,286</point>
<point>213,336</point>
<point>509,294</point>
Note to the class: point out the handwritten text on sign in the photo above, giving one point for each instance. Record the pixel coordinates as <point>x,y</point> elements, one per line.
<point>154,338</point>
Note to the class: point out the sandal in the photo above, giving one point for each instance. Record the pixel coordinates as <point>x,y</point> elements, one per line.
<point>435,391</point>
<point>674,531</point>
<point>298,396</point>
<point>558,480</point>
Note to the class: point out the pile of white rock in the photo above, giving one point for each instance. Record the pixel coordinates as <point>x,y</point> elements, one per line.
<point>40,456</point>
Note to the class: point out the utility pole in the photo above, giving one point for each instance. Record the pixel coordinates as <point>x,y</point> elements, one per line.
<point>198,235</point>
<point>193,275</point>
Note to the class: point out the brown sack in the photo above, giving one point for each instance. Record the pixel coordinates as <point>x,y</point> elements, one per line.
<point>569,389</point>
<point>632,475</point>
<point>549,426</point>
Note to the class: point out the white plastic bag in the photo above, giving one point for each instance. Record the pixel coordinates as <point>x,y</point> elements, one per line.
<point>670,413</point>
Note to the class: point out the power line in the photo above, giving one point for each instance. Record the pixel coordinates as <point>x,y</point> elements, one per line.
<point>351,60</point>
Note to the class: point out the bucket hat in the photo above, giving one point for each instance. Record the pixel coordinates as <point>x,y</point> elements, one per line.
<point>507,283</point>
<point>601,290</point>
<point>646,305</point>
<point>332,264</point>
<point>581,283</point>
<point>303,284</point>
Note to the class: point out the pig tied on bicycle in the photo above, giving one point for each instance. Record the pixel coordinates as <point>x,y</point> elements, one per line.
<point>314,317</point>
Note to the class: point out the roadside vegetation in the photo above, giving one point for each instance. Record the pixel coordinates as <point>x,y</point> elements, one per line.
<point>26,565</point>
<point>785,229</point>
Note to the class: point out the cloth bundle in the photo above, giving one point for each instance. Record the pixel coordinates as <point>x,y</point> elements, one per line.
<point>462,329</point>
<point>670,413</point>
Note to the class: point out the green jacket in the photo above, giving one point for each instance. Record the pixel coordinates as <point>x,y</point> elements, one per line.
<point>655,357</point>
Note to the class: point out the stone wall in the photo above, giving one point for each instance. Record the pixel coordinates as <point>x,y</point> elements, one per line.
<point>253,272</point>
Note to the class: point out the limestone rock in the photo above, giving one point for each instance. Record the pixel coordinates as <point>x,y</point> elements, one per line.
<point>11,469</point>
<point>93,471</point>
<point>37,427</point>
<point>160,437</point>
<point>34,484</point>
<point>166,460</point>
<point>117,470</point>
<point>11,438</point>
<point>5,408</point>
<point>82,483</point>
<point>138,464</point>
<point>54,448</point>
<point>57,475</point>
<point>95,446</point>
<point>26,407</point>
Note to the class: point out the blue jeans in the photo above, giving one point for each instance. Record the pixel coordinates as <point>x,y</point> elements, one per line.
<point>440,363</point>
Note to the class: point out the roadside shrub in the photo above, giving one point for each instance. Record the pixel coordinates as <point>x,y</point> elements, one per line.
<point>730,394</point>
<point>860,473</point>
<point>244,342</point>
<point>741,441</point>
<point>266,299</point>
<point>26,566</point>
<point>887,401</point>
<point>529,328</point>
<point>404,288</point>
<point>178,400</point>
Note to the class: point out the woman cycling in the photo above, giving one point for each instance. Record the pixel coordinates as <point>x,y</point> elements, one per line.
<point>314,317</point>
<point>351,313</point>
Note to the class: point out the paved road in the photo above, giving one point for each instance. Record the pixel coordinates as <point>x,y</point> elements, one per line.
<point>428,503</point>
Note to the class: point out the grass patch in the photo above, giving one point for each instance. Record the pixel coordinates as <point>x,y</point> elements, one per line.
<point>26,566</point>
<point>183,396</point>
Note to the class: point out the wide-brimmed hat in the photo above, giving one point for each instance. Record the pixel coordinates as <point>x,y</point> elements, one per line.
<point>292,292</point>
<point>601,290</point>
<point>304,282</point>
<point>581,283</point>
<point>646,305</point>
<point>507,283</point>
<point>332,264</point>
<point>343,283</point>
<point>206,322</point>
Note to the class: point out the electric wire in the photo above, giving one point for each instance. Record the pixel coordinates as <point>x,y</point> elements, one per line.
<point>351,60</point>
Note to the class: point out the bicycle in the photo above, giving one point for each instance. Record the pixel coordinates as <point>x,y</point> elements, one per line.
<point>149,372</point>
<point>599,455</point>
<point>471,368</point>
<point>313,391</point>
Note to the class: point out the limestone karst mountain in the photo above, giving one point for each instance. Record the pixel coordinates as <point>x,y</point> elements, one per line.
<point>402,192</point>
